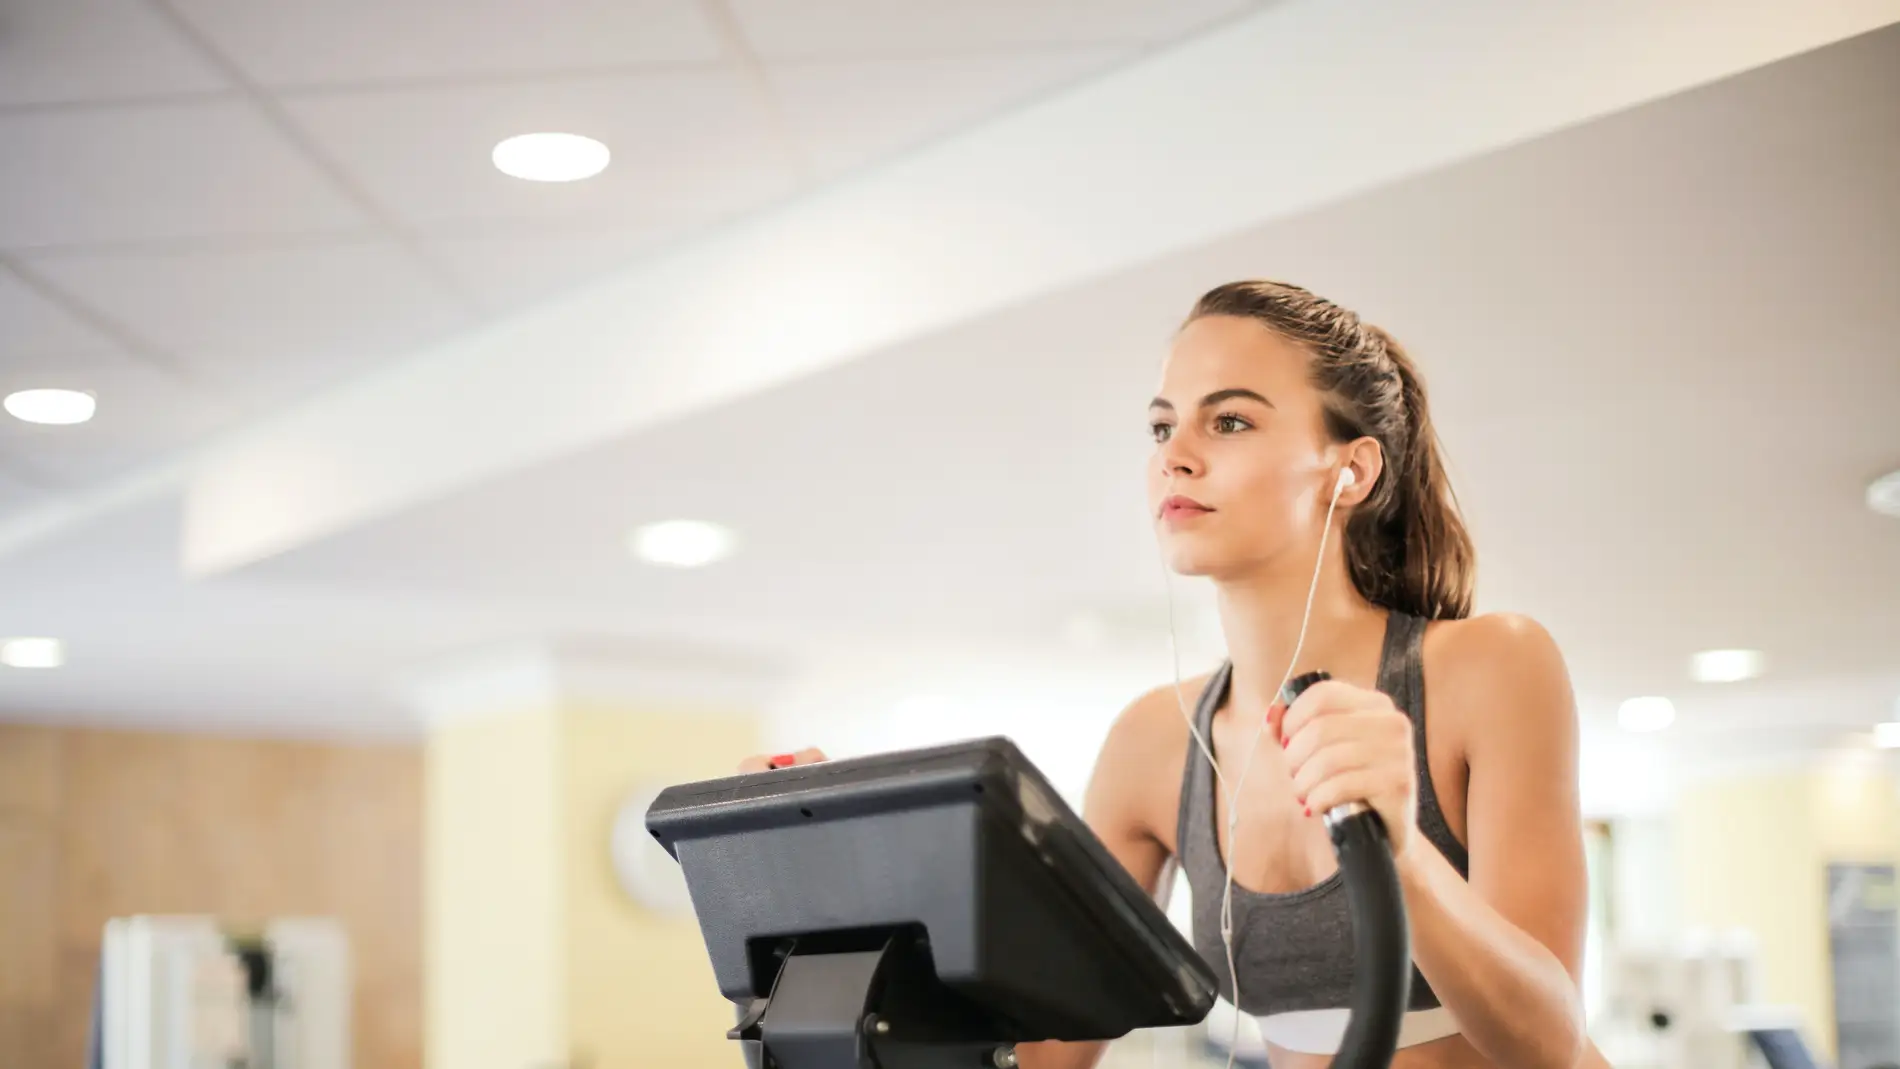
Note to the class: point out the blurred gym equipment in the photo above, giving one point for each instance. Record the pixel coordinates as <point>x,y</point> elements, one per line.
<point>193,993</point>
<point>1697,1006</point>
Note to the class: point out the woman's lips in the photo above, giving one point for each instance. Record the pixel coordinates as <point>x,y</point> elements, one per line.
<point>1178,509</point>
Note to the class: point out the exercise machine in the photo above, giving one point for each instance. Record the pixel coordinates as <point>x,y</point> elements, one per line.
<point>186,992</point>
<point>933,908</point>
<point>1696,1004</point>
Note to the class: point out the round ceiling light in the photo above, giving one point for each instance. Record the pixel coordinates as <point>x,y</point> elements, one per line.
<point>1883,495</point>
<point>551,157</point>
<point>32,653</point>
<point>56,407</point>
<point>1646,714</point>
<point>682,543</point>
<point>1725,666</point>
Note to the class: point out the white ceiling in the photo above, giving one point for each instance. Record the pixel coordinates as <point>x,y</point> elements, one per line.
<point>1660,344</point>
<point>209,208</point>
<point>1661,351</point>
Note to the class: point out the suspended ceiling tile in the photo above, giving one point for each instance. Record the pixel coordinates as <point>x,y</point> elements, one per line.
<point>285,43</point>
<point>270,322</point>
<point>846,113</point>
<point>36,331</point>
<point>511,269</point>
<point>156,172</point>
<point>874,29</point>
<point>687,146</point>
<point>67,51</point>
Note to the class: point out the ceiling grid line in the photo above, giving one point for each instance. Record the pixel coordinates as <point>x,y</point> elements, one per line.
<point>487,79</point>
<point>742,55</point>
<point>188,245</point>
<point>124,103</point>
<point>278,117</point>
<point>134,344</point>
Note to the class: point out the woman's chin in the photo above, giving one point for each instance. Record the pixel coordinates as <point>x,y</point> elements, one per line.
<point>1197,565</point>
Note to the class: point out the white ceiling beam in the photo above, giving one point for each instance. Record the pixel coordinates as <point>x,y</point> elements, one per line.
<point>1305,103</point>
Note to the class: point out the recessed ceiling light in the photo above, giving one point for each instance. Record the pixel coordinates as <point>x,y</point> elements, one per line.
<point>58,407</point>
<point>682,543</point>
<point>32,653</point>
<point>1646,714</point>
<point>1883,495</point>
<point>551,157</point>
<point>1887,735</point>
<point>1725,666</point>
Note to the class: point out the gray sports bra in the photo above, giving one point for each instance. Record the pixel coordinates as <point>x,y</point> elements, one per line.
<point>1293,951</point>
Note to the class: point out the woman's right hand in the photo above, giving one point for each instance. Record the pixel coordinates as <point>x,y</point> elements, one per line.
<point>762,763</point>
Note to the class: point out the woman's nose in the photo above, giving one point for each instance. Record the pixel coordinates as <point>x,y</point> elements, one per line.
<point>1177,459</point>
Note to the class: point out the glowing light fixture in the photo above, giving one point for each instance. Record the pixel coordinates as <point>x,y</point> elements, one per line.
<point>682,543</point>
<point>1883,495</point>
<point>1725,666</point>
<point>32,653</point>
<point>56,407</point>
<point>551,157</point>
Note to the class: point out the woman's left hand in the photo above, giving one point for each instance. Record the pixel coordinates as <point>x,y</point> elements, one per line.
<point>1349,744</point>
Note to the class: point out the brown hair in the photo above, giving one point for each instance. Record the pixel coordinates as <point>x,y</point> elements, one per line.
<point>1406,545</point>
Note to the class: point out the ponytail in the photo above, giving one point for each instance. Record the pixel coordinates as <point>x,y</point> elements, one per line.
<point>1410,550</point>
<point>1407,548</point>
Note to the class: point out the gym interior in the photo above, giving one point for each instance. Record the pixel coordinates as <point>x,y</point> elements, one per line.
<point>433,430</point>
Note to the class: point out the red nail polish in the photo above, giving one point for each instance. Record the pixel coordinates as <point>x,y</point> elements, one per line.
<point>1308,809</point>
<point>784,760</point>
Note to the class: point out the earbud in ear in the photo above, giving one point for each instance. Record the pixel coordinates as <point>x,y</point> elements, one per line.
<point>1346,479</point>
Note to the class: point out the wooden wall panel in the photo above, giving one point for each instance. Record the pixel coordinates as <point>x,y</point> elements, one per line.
<point>29,890</point>
<point>96,824</point>
<point>29,771</point>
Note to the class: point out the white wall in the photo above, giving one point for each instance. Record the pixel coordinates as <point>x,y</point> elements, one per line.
<point>1642,885</point>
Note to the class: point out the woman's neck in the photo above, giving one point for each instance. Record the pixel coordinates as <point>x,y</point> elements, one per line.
<point>1260,618</point>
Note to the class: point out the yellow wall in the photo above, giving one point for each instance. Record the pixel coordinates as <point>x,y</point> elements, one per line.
<point>535,958</point>
<point>640,987</point>
<point>1857,813</point>
<point>494,969</point>
<point>1752,852</point>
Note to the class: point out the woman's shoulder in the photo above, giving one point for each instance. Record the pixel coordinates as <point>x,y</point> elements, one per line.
<point>1495,665</point>
<point>1162,714</point>
<point>1151,729</point>
<point>1491,635</point>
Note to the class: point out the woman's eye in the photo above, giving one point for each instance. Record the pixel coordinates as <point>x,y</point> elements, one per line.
<point>1161,431</point>
<point>1231,424</point>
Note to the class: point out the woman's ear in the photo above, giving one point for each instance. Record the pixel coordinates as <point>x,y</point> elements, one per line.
<point>1365,461</point>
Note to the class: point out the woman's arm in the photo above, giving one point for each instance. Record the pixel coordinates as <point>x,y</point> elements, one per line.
<point>1503,951</point>
<point>1118,808</point>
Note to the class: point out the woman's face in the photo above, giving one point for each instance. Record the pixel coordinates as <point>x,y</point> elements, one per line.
<point>1242,465</point>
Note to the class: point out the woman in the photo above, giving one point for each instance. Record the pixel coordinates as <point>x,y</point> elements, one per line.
<point>1290,436</point>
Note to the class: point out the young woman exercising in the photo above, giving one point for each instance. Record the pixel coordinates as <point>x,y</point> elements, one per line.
<point>1296,466</point>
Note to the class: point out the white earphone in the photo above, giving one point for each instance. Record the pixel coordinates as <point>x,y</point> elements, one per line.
<point>1345,481</point>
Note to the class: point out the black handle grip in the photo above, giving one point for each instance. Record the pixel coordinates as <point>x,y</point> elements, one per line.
<point>1381,935</point>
